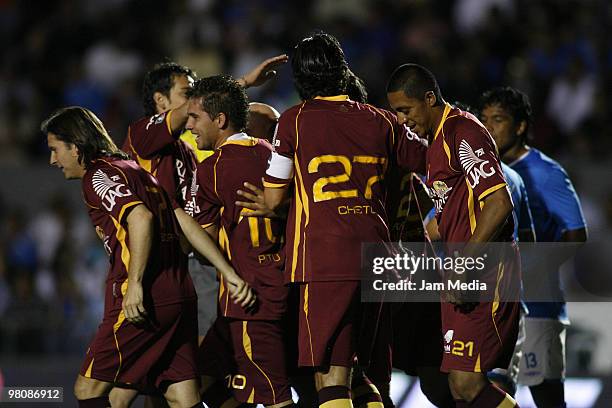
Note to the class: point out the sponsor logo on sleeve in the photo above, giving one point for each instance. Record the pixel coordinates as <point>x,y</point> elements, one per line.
<point>475,167</point>
<point>156,120</point>
<point>191,206</point>
<point>109,189</point>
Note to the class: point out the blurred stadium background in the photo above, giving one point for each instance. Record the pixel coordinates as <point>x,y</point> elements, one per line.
<point>94,53</point>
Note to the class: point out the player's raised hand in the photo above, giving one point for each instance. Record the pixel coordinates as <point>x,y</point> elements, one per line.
<point>240,291</point>
<point>256,204</point>
<point>263,72</point>
<point>133,305</point>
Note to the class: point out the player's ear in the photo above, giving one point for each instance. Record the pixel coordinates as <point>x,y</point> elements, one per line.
<point>221,120</point>
<point>430,98</point>
<point>521,129</point>
<point>161,101</point>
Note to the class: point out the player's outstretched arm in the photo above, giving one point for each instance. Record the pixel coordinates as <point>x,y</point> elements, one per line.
<point>140,230</point>
<point>257,203</point>
<point>240,291</point>
<point>263,72</point>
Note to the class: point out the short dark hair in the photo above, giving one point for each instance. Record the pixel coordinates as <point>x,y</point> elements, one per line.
<point>161,79</point>
<point>221,93</point>
<point>415,80</point>
<point>512,100</point>
<point>81,127</point>
<point>319,67</point>
<point>356,89</point>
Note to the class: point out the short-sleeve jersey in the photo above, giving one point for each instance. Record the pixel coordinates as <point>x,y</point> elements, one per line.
<point>111,189</point>
<point>152,144</point>
<point>520,201</point>
<point>555,208</point>
<point>463,167</point>
<point>341,151</point>
<point>253,245</point>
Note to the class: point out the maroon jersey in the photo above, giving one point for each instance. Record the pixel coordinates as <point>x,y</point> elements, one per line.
<point>111,189</point>
<point>253,245</point>
<point>340,151</point>
<point>463,167</point>
<point>152,144</point>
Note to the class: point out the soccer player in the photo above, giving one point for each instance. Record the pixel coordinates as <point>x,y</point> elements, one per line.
<point>160,145</point>
<point>557,217</point>
<point>506,378</point>
<point>335,152</point>
<point>218,111</point>
<point>473,206</point>
<point>148,334</point>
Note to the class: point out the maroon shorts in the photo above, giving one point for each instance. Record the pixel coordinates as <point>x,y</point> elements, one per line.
<point>484,339</point>
<point>162,351</point>
<point>328,323</point>
<point>480,340</point>
<point>249,356</point>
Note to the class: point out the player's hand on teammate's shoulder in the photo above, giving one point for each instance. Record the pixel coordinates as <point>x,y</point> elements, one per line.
<point>263,72</point>
<point>256,205</point>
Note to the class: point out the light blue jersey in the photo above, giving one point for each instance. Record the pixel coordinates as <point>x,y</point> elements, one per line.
<point>555,208</point>
<point>521,212</point>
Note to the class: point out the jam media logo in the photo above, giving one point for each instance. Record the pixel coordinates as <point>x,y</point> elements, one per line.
<point>448,337</point>
<point>473,165</point>
<point>108,189</point>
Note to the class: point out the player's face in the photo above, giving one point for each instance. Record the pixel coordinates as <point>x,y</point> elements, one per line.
<point>412,112</point>
<point>202,126</point>
<point>501,126</point>
<point>65,156</point>
<point>178,92</point>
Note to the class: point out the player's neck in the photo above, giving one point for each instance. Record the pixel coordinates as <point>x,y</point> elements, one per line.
<point>223,136</point>
<point>437,114</point>
<point>514,153</point>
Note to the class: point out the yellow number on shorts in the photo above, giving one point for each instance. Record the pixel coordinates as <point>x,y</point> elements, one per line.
<point>237,382</point>
<point>317,188</point>
<point>459,347</point>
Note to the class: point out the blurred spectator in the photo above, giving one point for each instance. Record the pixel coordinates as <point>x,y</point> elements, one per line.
<point>572,97</point>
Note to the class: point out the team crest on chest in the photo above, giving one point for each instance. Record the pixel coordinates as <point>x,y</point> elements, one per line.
<point>439,194</point>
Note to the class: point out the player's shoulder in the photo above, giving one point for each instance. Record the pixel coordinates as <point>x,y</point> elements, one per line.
<point>458,121</point>
<point>539,162</point>
<point>210,161</point>
<point>292,112</point>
